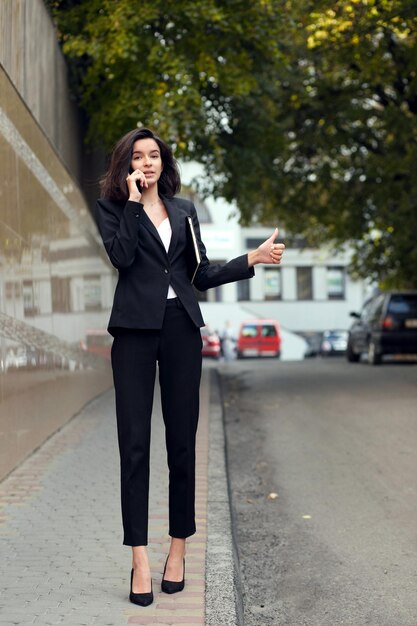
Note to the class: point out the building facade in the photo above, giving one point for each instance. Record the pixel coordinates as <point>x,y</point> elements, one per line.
<point>309,292</point>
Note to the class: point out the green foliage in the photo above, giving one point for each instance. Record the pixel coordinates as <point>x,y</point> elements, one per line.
<point>304,113</point>
<point>172,65</point>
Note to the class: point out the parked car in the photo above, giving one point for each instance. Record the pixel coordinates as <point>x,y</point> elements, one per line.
<point>98,341</point>
<point>21,357</point>
<point>259,338</point>
<point>387,325</point>
<point>211,343</point>
<point>333,342</point>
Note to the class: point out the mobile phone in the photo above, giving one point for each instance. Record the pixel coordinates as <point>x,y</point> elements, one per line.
<point>138,185</point>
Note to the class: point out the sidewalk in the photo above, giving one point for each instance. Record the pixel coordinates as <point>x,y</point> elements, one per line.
<point>62,558</point>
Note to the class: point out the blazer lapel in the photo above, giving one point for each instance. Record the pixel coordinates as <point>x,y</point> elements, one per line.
<point>174,219</point>
<point>149,225</point>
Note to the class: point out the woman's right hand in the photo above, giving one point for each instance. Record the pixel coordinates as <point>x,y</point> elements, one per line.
<point>132,179</point>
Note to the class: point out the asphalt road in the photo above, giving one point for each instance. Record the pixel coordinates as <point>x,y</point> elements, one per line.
<point>337,443</point>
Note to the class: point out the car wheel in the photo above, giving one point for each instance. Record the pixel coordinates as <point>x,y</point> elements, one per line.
<point>351,356</point>
<point>374,357</point>
<point>278,354</point>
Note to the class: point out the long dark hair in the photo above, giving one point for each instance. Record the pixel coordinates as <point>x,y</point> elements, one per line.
<point>113,184</point>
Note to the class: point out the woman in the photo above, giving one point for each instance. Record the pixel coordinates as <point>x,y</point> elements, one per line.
<point>146,233</point>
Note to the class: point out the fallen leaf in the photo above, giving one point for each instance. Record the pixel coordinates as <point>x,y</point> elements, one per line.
<point>272,496</point>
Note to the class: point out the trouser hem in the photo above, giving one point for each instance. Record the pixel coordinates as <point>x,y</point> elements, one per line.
<point>182,535</point>
<point>134,543</point>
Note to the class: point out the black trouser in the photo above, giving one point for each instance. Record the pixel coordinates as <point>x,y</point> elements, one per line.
<point>177,349</point>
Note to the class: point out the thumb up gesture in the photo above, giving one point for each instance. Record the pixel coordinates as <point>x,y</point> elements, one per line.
<point>268,252</point>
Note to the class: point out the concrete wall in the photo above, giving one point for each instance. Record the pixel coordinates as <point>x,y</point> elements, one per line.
<point>30,55</point>
<point>55,282</point>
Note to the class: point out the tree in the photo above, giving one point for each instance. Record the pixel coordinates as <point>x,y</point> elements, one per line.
<point>337,160</point>
<point>173,65</point>
<point>304,113</point>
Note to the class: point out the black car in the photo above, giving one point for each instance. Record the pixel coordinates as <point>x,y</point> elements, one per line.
<point>387,325</point>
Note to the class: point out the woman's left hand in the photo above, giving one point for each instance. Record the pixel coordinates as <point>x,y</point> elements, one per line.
<point>268,252</point>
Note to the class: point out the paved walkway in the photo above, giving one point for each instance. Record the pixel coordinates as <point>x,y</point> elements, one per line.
<point>62,558</point>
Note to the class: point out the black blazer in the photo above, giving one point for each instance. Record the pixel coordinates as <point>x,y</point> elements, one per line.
<point>145,268</point>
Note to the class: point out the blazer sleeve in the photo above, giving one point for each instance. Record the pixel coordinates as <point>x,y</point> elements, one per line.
<point>119,229</point>
<point>212,275</point>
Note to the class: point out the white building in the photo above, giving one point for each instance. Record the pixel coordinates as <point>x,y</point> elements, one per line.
<point>309,292</point>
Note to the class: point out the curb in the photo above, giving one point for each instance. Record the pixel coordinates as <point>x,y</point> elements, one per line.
<point>223,588</point>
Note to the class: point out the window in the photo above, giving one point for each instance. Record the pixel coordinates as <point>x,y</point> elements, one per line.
<point>268,330</point>
<point>12,290</point>
<point>335,283</point>
<point>61,296</point>
<point>272,284</point>
<point>304,283</point>
<point>375,310</point>
<point>366,309</point>
<point>30,299</point>
<point>216,294</point>
<point>243,292</point>
<point>253,242</point>
<point>212,295</point>
<point>201,295</point>
<point>92,292</point>
<point>403,304</point>
<point>249,330</point>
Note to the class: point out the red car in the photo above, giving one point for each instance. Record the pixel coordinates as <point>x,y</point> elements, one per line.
<point>98,341</point>
<point>259,338</point>
<point>211,343</point>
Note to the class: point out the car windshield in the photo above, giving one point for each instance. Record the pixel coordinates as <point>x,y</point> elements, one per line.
<point>249,330</point>
<point>403,304</point>
<point>335,334</point>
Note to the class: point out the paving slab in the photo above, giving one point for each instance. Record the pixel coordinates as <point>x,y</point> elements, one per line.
<point>61,536</point>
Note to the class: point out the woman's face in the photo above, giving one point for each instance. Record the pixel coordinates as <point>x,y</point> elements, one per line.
<point>146,157</point>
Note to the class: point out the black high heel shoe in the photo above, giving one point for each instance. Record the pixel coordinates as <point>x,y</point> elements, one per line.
<point>170,586</point>
<point>143,599</point>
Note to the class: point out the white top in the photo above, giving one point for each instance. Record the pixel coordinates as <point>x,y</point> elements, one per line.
<point>165,233</point>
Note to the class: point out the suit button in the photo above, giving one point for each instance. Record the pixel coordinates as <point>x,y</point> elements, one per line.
<point>136,214</point>
<point>166,271</point>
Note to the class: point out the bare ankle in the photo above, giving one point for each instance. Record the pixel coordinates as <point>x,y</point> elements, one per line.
<point>177,548</point>
<point>140,557</point>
